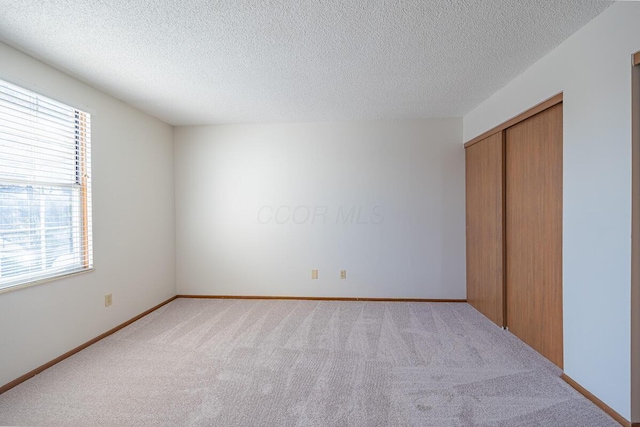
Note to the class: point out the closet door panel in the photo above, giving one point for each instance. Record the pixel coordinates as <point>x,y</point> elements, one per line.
<point>534,232</point>
<point>484,210</point>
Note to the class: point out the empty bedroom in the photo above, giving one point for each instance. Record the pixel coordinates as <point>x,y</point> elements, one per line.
<point>320,213</point>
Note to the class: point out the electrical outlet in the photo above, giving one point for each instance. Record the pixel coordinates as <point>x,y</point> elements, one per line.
<point>108,300</point>
<point>343,274</point>
<point>314,274</point>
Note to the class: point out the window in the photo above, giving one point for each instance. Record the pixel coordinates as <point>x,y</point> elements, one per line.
<point>45,188</point>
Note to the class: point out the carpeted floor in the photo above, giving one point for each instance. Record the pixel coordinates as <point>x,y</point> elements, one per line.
<point>304,363</point>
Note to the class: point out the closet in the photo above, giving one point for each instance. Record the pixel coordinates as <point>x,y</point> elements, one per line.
<point>485,227</point>
<point>514,226</point>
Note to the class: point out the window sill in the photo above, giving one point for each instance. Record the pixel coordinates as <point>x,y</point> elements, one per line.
<point>46,280</point>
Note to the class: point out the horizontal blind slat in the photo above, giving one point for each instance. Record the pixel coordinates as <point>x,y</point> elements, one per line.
<point>32,98</point>
<point>45,188</point>
<point>53,131</point>
<point>22,108</point>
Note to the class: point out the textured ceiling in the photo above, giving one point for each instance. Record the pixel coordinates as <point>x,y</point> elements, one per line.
<point>203,62</point>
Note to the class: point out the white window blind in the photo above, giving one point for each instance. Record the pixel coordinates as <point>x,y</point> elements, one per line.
<point>45,188</point>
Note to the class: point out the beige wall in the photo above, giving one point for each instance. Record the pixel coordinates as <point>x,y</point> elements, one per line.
<point>133,228</point>
<point>593,69</point>
<point>635,252</point>
<point>259,206</point>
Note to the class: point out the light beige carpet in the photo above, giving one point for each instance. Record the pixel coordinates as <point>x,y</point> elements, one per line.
<point>304,363</point>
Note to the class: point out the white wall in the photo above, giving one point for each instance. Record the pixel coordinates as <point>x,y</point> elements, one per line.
<point>259,206</point>
<point>133,228</point>
<point>635,251</point>
<point>593,68</point>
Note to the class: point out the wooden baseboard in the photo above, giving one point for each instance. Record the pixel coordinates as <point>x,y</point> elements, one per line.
<point>49,364</point>
<point>320,298</point>
<point>599,403</point>
<point>606,408</point>
<point>58,359</point>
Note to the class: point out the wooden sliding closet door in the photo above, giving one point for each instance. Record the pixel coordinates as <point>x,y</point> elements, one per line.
<point>484,186</point>
<point>534,232</point>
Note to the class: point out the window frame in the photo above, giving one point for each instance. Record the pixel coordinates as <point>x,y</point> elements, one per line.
<point>80,206</point>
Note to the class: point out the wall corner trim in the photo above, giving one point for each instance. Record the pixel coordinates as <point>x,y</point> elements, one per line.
<point>8,386</point>
<point>547,103</point>
<point>300,298</point>
<point>599,403</point>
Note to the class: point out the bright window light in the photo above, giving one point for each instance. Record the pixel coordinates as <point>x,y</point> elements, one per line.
<point>45,188</point>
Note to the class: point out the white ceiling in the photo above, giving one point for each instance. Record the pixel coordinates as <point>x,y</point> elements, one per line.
<point>204,62</point>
